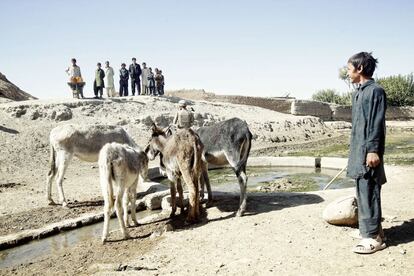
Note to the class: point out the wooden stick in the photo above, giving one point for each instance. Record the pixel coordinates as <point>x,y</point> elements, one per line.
<point>333,179</point>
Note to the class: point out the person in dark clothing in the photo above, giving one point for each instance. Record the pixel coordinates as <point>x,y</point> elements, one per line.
<point>123,80</point>
<point>159,82</point>
<point>98,84</point>
<point>366,157</point>
<point>151,82</point>
<point>163,84</point>
<point>135,73</point>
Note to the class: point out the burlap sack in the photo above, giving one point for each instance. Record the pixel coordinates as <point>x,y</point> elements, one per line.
<point>343,211</point>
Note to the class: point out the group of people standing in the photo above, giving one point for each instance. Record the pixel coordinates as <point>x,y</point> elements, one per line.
<point>152,84</point>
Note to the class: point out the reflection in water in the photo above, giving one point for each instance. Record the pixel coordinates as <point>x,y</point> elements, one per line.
<point>224,180</point>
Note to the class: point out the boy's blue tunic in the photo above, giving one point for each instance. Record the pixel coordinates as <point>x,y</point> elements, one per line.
<point>369,104</point>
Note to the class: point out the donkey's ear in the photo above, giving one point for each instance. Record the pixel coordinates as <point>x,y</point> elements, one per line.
<point>153,127</point>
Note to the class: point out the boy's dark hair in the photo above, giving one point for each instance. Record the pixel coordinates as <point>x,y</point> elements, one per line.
<point>366,60</point>
<point>73,59</point>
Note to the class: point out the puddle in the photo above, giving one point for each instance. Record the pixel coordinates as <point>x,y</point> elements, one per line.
<point>308,179</point>
<point>28,252</point>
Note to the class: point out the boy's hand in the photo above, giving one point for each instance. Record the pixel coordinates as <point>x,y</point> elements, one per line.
<point>372,159</point>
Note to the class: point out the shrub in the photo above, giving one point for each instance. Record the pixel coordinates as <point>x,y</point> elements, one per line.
<point>332,96</point>
<point>399,89</point>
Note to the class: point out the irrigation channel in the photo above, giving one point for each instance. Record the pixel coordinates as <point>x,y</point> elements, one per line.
<point>266,179</point>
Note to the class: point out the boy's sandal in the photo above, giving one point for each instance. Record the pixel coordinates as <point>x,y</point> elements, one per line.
<point>369,246</point>
<point>355,234</point>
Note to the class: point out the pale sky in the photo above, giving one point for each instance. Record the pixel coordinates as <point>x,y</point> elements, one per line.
<point>258,48</point>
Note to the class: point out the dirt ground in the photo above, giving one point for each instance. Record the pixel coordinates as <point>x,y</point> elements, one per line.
<point>24,147</point>
<point>281,233</point>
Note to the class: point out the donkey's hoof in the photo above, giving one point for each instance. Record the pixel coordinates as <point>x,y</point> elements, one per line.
<point>50,202</point>
<point>239,213</point>
<point>104,240</point>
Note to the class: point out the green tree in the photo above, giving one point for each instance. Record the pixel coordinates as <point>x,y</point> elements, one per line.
<point>343,75</point>
<point>399,89</point>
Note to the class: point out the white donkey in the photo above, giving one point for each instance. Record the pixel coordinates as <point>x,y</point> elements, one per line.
<point>82,141</point>
<point>121,167</point>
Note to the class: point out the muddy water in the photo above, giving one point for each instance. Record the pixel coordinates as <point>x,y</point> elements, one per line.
<point>313,179</point>
<point>224,180</point>
<point>26,253</point>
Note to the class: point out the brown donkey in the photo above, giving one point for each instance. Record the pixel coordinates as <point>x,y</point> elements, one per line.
<point>181,155</point>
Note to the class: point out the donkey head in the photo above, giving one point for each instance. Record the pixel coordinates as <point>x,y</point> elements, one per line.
<point>153,147</point>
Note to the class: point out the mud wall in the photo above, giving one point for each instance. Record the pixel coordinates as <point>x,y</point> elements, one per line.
<point>282,105</point>
<point>313,108</point>
<point>325,111</point>
<point>400,113</point>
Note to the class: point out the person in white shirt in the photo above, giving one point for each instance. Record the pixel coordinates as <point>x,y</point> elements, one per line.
<point>73,71</point>
<point>110,86</point>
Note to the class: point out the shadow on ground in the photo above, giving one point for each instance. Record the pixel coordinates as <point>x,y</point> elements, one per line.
<point>8,130</point>
<point>400,234</point>
<point>256,204</point>
<point>86,203</point>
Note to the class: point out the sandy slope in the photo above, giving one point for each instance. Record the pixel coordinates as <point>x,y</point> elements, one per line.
<point>10,91</point>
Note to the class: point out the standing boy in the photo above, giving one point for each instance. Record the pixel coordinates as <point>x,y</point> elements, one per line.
<point>98,84</point>
<point>123,80</point>
<point>135,73</point>
<point>151,82</point>
<point>110,85</point>
<point>159,82</point>
<point>75,79</point>
<point>145,72</point>
<point>366,162</point>
<point>163,83</point>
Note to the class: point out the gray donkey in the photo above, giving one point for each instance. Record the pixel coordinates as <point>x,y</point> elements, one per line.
<point>227,142</point>
<point>82,141</point>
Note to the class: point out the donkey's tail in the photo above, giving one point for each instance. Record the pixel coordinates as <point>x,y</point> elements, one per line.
<point>245,151</point>
<point>106,176</point>
<point>52,161</point>
<point>197,158</point>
